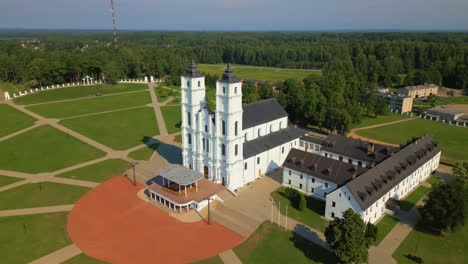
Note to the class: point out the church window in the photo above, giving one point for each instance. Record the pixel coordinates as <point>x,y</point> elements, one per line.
<point>223,149</point>
<point>289,172</point>
<point>245,166</point>
<point>258,160</point>
<point>199,83</point>
<point>235,128</point>
<point>188,84</point>
<point>189,120</point>
<point>236,149</point>
<point>300,185</point>
<point>206,128</point>
<point>207,145</point>
<point>189,139</point>
<point>282,150</point>
<point>203,144</point>
<point>259,134</point>
<point>235,90</point>
<point>224,89</point>
<point>281,125</point>
<point>224,128</point>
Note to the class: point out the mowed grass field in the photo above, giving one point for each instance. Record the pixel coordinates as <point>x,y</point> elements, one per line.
<point>44,149</point>
<point>172,117</point>
<point>98,172</point>
<point>385,225</point>
<point>40,194</point>
<point>270,244</point>
<point>5,180</point>
<point>259,73</point>
<point>12,120</point>
<point>119,130</point>
<point>91,105</point>
<point>452,139</point>
<point>371,121</point>
<point>67,93</point>
<point>28,237</point>
<point>449,248</point>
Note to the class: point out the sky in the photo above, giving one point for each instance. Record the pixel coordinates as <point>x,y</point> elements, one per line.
<point>237,15</point>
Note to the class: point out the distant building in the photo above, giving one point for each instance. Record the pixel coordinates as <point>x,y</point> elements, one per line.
<point>397,102</point>
<point>383,90</point>
<point>445,114</point>
<point>366,177</point>
<point>419,90</point>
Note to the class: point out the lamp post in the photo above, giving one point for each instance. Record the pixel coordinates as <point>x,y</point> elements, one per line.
<point>134,177</point>
<point>209,213</point>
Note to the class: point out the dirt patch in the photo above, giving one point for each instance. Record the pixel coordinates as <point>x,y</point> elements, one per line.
<point>457,108</point>
<point>442,92</point>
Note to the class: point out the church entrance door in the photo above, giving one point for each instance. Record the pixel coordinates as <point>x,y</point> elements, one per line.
<point>205,171</point>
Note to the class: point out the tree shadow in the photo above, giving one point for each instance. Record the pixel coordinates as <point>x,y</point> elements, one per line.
<point>179,124</point>
<point>317,251</point>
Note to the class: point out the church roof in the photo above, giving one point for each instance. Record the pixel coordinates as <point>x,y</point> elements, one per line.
<point>262,144</point>
<point>192,71</point>
<point>377,181</point>
<point>229,76</point>
<point>261,112</point>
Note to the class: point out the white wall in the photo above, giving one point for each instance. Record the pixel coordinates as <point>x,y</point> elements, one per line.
<point>307,182</point>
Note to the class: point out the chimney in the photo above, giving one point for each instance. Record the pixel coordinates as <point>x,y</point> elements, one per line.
<point>370,148</point>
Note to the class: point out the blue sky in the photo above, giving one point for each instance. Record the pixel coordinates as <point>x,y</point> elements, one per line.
<point>296,15</point>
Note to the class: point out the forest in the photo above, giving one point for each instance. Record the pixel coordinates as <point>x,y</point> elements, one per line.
<point>353,64</point>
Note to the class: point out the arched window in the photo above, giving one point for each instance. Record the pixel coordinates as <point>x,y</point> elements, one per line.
<point>236,150</point>
<point>224,89</point>
<point>235,90</point>
<point>224,128</point>
<point>223,150</point>
<point>188,84</point>
<point>259,134</point>
<point>189,137</point>
<point>189,119</point>
<point>199,83</point>
<point>235,128</point>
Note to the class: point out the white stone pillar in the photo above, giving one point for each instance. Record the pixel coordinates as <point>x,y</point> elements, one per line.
<point>146,79</point>
<point>152,79</point>
<point>7,96</point>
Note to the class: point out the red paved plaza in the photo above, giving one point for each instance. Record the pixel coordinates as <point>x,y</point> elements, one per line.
<point>111,223</point>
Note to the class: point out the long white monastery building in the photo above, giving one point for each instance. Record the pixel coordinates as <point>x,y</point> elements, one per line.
<point>235,143</point>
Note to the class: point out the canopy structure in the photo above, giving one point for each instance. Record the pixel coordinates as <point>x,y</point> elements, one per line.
<point>179,174</point>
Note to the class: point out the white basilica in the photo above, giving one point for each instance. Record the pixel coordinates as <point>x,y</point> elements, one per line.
<point>235,143</point>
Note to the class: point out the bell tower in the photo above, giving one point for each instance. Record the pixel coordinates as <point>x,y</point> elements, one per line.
<point>229,127</point>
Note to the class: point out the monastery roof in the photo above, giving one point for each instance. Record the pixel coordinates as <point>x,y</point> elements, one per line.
<point>357,149</point>
<point>261,112</point>
<point>420,87</point>
<point>262,144</point>
<point>321,167</point>
<point>311,139</point>
<point>377,181</point>
<point>179,174</point>
<point>229,76</point>
<point>443,110</point>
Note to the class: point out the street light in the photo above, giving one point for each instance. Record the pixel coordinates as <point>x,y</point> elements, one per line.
<point>134,177</point>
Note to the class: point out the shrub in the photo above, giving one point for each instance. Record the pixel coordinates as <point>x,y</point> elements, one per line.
<point>415,258</point>
<point>293,196</point>
<point>302,202</point>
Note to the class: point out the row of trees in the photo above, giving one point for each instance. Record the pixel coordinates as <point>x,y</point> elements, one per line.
<point>377,58</point>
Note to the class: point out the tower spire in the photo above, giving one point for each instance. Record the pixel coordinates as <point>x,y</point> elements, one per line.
<point>229,76</point>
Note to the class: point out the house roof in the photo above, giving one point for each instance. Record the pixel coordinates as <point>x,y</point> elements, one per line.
<point>328,169</point>
<point>192,71</point>
<point>261,112</point>
<point>229,76</point>
<point>179,174</point>
<point>373,184</point>
<point>357,149</point>
<point>262,144</point>
<point>311,139</point>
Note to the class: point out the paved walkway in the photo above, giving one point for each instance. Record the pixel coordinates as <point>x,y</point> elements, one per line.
<point>157,111</point>
<point>59,256</point>
<point>229,257</point>
<point>37,210</point>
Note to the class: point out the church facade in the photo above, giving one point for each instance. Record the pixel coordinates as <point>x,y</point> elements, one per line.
<point>233,144</point>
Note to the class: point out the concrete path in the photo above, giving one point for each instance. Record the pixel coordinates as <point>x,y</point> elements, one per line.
<point>384,251</point>
<point>37,210</point>
<point>229,257</point>
<point>157,111</point>
<point>19,132</point>
<point>59,256</point>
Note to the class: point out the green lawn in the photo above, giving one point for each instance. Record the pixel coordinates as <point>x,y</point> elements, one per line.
<point>172,118</point>
<point>370,121</point>
<point>98,172</point>
<point>450,248</point>
<point>44,149</point>
<point>413,198</point>
<point>452,139</point>
<point>270,244</point>
<point>5,180</point>
<point>311,216</point>
<point>78,92</point>
<point>83,259</point>
<point>178,138</point>
<point>12,120</point>
<point>144,153</point>
<point>40,194</point>
<point>384,227</point>
<point>432,180</point>
<point>91,105</point>
<point>163,93</point>
<point>13,87</point>
<point>119,130</point>
<point>29,237</point>
<point>213,260</point>
<point>258,73</point>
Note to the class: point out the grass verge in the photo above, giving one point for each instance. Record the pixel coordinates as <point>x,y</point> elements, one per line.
<point>5,180</point>
<point>144,153</point>
<point>411,200</point>
<point>384,227</point>
<point>12,120</point>
<point>172,118</point>
<point>98,172</point>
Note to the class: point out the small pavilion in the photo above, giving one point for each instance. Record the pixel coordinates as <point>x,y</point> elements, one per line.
<point>181,189</point>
